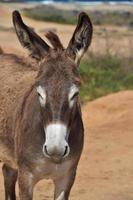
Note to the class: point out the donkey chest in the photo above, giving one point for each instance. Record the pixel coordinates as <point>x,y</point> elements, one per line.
<point>46,169</point>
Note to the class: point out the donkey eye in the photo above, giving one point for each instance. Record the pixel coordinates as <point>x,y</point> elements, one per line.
<point>39,94</point>
<point>42,95</point>
<point>74,96</point>
<point>73,93</point>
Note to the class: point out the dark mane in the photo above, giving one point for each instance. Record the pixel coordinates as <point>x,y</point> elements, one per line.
<point>54,40</point>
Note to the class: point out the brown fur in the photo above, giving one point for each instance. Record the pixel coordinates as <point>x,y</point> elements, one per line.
<point>15,77</point>
<point>1,51</point>
<point>23,119</point>
<point>54,39</point>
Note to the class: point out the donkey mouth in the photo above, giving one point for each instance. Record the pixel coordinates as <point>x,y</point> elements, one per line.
<point>56,159</point>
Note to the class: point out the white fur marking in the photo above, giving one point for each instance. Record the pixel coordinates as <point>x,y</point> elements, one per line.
<point>42,97</point>
<point>56,135</point>
<point>79,54</point>
<point>72,91</point>
<point>61,197</point>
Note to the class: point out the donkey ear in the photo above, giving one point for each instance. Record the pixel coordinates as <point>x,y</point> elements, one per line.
<point>81,38</point>
<point>28,38</point>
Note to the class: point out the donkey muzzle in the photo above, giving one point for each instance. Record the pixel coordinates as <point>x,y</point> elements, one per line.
<point>56,154</point>
<point>56,146</point>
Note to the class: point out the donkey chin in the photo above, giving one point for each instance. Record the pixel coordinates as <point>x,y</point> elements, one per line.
<point>56,147</point>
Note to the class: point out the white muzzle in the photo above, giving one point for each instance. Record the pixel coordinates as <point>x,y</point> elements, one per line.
<point>56,145</point>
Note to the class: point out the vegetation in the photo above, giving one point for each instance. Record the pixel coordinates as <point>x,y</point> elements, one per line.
<point>50,13</point>
<point>101,75</point>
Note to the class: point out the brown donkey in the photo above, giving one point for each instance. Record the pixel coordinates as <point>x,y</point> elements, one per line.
<point>41,131</point>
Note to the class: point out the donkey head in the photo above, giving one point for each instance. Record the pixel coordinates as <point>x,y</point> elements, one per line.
<point>57,83</point>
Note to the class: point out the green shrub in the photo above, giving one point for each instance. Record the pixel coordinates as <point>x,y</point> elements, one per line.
<point>102,75</point>
<point>53,14</point>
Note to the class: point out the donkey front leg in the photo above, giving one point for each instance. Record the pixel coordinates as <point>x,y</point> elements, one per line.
<point>10,178</point>
<point>63,186</point>
<point>26,185</point>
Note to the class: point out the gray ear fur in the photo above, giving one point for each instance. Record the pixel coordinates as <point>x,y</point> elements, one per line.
<point>28,38</point>
<point>81,38</point>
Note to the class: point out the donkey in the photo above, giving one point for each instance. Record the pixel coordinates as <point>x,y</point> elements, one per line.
<point>43,133</point>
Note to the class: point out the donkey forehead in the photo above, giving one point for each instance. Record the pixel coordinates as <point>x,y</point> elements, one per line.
<point>58,89</point>
<point>58,60</point>
<point>56,81</point>
<point>58,73</point>
<point>57,93</point>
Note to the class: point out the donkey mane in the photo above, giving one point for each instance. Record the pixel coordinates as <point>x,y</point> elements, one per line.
<point>54,40</point>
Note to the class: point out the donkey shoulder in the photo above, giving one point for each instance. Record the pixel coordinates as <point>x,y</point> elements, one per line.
<point>16,77</point>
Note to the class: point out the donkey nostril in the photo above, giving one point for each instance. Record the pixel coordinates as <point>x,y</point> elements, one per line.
<point>45,147</point>
<point>56,152</point>
<point>66,151</point>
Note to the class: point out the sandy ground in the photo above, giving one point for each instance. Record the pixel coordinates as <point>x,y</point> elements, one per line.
<point>105,171</point>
